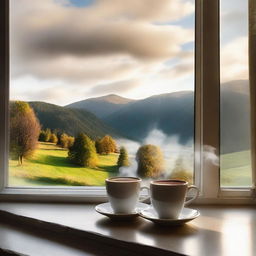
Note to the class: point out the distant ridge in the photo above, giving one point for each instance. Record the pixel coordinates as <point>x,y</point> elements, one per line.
<point>112,98</point>
<point>70,121</point>
<point>172,113</point>
<point>102,106</point>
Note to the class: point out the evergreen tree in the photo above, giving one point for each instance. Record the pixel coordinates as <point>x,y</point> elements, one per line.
<point>83,151</point>
<point>24,130</point>
<point>150,161</point>
<point>123,159</point>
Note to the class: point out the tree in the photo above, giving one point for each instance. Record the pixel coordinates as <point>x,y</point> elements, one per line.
<point>123,159</point>
<point>53,138</point>
<point>65,141</point>
<point>24,130</point>
<point>70,141</point>
<point>181,172</point>
<point>48,134</point>
<point>106,145</point>
<point>59,138</point>
<point>97,146</point>
<point>42,136</point>
<point>150,161</point>
<point>83,151</point>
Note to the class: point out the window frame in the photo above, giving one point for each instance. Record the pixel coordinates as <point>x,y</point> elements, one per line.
<point>207,117</point>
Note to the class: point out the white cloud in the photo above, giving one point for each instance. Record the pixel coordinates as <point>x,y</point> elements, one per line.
<point>107,43</point>
<point>234,20</point>
<point>234,60</point>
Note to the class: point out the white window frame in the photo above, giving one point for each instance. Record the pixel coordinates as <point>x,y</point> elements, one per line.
<point>207,117</point>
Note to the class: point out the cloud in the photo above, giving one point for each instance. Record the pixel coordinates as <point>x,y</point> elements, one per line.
<point>234,40</point>
<point>234,20</point>
<point>234,60</point>
<point>179,70</point>
<point>56,41</point>
<point>109,46</point>
<point>29,88</point>
<point>149,10</point>
<point>117,87</point>
<point>84,71</point>
<point>139,40</point>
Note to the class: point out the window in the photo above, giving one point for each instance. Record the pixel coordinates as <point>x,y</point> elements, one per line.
<point>207,130</point>
<point>235,96</point>
<point>120,73</point>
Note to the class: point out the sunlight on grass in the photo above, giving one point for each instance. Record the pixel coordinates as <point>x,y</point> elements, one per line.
<point>236,169</point>
<point>50,166</point>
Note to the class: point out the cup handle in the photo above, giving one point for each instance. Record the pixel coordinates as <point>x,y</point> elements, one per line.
<point>145,198</point>
<point>194,197</point>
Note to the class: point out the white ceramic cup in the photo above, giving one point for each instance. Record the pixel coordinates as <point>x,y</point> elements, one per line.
<point>123,193</point>
<point>168,197</point>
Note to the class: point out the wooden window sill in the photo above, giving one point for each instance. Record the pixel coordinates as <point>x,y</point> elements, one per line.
<point>220,230</point>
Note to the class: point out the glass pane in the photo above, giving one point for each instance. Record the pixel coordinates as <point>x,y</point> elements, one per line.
<point>119,72</point>
<point>235,102</point>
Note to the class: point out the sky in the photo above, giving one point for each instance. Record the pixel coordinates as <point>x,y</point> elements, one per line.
<point>64,51</point>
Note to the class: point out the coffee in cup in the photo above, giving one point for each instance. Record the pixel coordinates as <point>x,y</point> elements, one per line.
<point>123,193</point>
<point>168,197</point>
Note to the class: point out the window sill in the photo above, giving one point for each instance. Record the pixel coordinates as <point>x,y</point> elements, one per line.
<point>215,232</point>
<point>98,195</point>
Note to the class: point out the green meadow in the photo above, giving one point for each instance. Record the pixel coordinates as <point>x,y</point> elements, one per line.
<point>236,169</point>
<point>50,167</point>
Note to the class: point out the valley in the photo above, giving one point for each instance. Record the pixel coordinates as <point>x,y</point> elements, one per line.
<point>166,120</point>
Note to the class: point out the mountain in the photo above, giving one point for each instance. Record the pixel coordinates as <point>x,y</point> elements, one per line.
<point>172,113</point>
<point>235,116</point>
<point>102,106</point>
<point>236,86</point>
<point>71,121</point>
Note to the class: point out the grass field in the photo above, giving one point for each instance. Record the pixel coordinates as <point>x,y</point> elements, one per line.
<point>50,167</point>
<point>236,169</point>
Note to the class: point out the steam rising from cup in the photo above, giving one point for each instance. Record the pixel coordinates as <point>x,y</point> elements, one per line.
<point>177,156</point>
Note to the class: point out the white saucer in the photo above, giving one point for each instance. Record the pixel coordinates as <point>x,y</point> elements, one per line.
<point>186,215</point>
<point>107,210</point>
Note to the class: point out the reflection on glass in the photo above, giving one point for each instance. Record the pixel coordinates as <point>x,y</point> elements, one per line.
<point>99,89</point>
<point>235,105</point>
